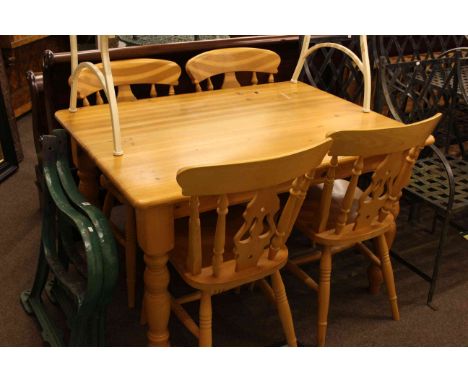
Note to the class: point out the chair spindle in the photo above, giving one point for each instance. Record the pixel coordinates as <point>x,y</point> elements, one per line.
<point>220,234</point>
<point>195,248</point>
<point>348,198</point>
<point>153,92</point>
<point>254,79</point>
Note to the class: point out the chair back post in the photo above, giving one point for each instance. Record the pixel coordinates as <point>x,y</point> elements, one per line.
<point>297,192</point>
<point>326,198</point>
<point>346,205</point>
<point>220,234</point>
<point>194,258</point>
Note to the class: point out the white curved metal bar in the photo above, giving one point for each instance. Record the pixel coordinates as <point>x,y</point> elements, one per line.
<point>74,82</point>
<point>74,52</point>
<point>366,71</point>
<point>110,93</point>
<point>364,65</point>
<point>107,83</point>
<point>302,57</point>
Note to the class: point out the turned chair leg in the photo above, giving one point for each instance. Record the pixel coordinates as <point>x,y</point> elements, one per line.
<point>130,254</point>
<point>324,295</point>
<point>388,275</point>
<point>205,338</point>
<point>374,275</point>
<point>283,308</point>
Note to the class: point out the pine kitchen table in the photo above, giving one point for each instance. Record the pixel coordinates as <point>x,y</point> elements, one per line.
<point>163,134</point>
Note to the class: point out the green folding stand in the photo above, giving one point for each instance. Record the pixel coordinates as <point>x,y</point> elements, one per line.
<point>109,257</point>
<point>72,251</point>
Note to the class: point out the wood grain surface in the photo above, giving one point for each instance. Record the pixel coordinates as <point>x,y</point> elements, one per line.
<point>162,135</point>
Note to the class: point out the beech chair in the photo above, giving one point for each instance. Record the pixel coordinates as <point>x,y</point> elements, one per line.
<point>413,91</point>
<point>461,105</point>
<point>77,248</point>
<point>162,76</point>
<point>241,244</point>
<point>347,216</point>
<point>229,61</point>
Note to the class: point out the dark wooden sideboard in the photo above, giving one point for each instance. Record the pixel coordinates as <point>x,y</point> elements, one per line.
<point>10,147</point>
<point>20,54</point>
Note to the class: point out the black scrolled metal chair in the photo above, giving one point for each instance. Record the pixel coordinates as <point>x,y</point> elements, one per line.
<point>409,48</point>
<point>398,49</point>
<point>415,90</point>
<point>461,109</point>
<point>333,71</point>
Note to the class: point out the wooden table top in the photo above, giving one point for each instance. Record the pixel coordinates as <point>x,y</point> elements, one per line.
<point>162,135</point>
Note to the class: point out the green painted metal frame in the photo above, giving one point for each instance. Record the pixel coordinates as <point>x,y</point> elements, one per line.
<point>84,291</point>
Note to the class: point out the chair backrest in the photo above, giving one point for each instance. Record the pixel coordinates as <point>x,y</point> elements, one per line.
<point>334,67</point>
<point>461,53</point>
<point>415,90</point>
<point>259,230</point>
<point>130,72</point>
<point>399,149</point>
<point>228,61</point>
<point>396,49</point>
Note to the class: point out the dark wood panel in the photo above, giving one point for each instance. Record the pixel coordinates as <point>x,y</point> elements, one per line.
<point>10,135</point>
<point>23,53</point>
<point>9,139</point>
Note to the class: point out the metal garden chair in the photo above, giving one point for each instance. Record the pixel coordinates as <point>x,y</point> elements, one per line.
<point>461,108</point>
<point>401,48</point>
<point>413,91</point>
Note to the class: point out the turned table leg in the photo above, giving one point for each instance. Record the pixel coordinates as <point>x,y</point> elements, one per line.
<point>155,229</point>
<point>88,174</point>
